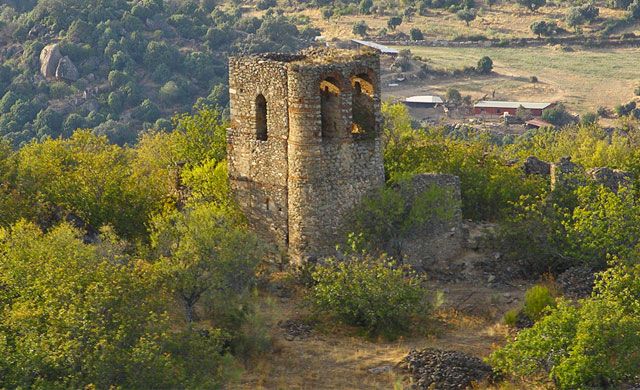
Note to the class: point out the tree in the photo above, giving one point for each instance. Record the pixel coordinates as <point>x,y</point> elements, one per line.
<point>634,10</point>
<point>365,6</point>
<point>453,96</point>
<point>574,18</point>
<point>485,65</point>
<point>77,316</point>
<point>542,27</point>
<point>360,28</point>
<point>394,22</point>
<point>533,5</point>
<point>204,250</point>
<point>466,15</point>
<point>416,34</point>
<point>383,220</point>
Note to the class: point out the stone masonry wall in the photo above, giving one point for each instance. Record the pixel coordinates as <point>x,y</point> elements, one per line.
<point>299,184</point>
<point>329,175</point>
<point>258,169</point>
<point>441,237</point>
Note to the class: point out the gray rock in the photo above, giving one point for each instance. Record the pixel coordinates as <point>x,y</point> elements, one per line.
<point>50,56</point>
<point>443,370</point>
<point>66,70</point>
<point>380,370</point>
<point>535,166</point>
<point>610,178</point>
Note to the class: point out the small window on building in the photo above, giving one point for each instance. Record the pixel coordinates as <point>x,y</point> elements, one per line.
<point>362,107</point>
<point>261,118</point>
<point>330,111</point>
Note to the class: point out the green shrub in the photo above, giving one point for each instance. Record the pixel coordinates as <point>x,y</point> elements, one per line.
<point>369,293</point>
<point>511,317</point>
<point>536,300</point>
<point>594,345</point>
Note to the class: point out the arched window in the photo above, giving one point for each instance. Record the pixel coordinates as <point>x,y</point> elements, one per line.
<point>362,106</point>
<point>330,107</point>
<point>261,118</point>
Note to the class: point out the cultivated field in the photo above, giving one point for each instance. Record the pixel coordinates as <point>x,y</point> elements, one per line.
<point>583,79</point>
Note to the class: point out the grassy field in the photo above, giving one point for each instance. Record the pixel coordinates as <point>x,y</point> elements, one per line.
<point>501,21</point>
<point>583,79</point>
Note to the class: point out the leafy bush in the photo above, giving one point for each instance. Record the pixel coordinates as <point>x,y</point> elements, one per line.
<point>385,219</point>
<point>536,300</point>
<point>485,65</point>
<point>594,345</point>
<point>369,293</point>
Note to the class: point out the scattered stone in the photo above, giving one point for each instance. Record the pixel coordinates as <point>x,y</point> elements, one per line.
<point>523,321</point>
<point>566,174</point>
<point>50,56</point>
<point>380,370</point>
<point>610,178</point>
<point>535,166</point>
<point>444,370</point>
<point>295,329</point>
<point>66,70</point>
<point>576,282</point>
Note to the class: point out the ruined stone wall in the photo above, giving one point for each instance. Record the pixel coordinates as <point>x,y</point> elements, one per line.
<point>258,166</point>
<point>329,173</point>
<point>441,237</point>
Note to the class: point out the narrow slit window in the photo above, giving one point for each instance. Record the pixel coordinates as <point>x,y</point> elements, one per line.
<point>261,118</point>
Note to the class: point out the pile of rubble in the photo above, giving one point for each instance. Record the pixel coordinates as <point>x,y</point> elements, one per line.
<point>444,370</point>
<point>576,282</point>
<point>295,329</point>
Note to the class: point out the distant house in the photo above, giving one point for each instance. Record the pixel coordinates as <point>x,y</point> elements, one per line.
<point>381,48</point>
<point>497,108</point>
<point>426,101</point>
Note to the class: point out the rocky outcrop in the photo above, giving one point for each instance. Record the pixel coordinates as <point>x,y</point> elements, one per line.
<point>49,59</point>
<point>444,370</point>
<point>66,70</point>
<point>566,174</point>
<point>535,166</point>
<point>610,178</point>
<point>576,282</point>
<point>54,66</point>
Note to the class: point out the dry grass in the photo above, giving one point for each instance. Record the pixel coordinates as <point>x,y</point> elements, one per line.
<point>583,79</point>
<point>501,21</point>
<point>334,357</point>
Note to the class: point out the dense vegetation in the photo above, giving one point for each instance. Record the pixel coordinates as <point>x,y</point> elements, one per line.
<point>124,262</point>
<point>139,62</point>
<point>111,275</point>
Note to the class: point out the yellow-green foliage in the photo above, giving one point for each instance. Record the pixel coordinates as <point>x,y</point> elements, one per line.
<point>488,182</point>
<point>511,317</point>
<point>593,345</point>
<point>370,293</point>
<point>536,300</point>
<point>74,315</point>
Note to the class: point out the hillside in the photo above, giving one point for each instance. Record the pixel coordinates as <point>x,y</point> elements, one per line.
<point>137,62</point>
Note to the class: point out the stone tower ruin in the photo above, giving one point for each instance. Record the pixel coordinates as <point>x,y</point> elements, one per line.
<point>304,143</point>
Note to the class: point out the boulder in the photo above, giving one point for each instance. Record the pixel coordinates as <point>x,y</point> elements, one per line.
<point>610,178</point>
<point>567,174</point>
<point>535,166</point>
<point>66,70</point>
<point>50,56</point>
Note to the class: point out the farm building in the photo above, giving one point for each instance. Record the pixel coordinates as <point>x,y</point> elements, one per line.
<point>381,48</point>
<point>427,101</point>
<point>538,123</point>
<point>490,107</point>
